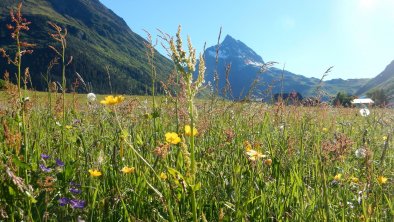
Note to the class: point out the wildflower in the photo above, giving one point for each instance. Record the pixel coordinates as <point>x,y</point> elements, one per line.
<point>354,179</point>
<point>163,176</point>
<point>44,168</point>
<point>95,173</point>
<point>63,201</point>
<point>268,162</point>
<point>162,150</point>
<point>127,170</point>
<point>111,100</point>
<point>188,131</point>
<point>382,180</point>
<point>68,127</point>
<point>325,130</point>
<point>59,163</point>
<point>73,184</point>
<point>338,177</point>
<point>79,204</point>
<point>247,146</point>
<point>91,97</point>
<point>253,155</point>
<point>361,153</point>
<point>364,112</point>
<point>75,190</point>
<point>172,138</point>
<point>384,138</point>
<point>44,156</point>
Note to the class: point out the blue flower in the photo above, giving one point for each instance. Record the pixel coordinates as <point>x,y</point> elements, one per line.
<point>45,169</point>
<point>59,163</point>
<point>75,190</point>
<point>44,156</point>
<point>63,201</point>
<point>79,204</point>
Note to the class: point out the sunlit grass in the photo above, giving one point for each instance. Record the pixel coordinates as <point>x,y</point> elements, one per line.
<point>307,148</point>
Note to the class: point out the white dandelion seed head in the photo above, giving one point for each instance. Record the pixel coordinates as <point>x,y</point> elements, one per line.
<point>361,153</point>
<point>91,97</point>
<point>364,112</point>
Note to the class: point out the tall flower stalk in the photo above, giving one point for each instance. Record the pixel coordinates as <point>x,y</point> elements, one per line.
<point>186,66</point>
<point>19,24</point>
<point>60,36</point>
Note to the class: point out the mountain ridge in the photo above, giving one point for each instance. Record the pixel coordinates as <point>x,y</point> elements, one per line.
<point>384,80</point>
<point>244,70</point>
<point>97,38</point>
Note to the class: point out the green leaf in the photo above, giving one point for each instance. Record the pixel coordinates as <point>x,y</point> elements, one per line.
<point>196,187</point>
<point>20,164</point>
<point>11,191</point>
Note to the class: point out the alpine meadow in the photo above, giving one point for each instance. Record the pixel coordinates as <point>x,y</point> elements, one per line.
<point>97,125</point>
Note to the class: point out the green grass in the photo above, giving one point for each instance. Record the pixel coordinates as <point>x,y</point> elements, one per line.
<point>299,185</point>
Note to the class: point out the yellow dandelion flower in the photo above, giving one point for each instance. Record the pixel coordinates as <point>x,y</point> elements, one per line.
<point>247,146</point>
<point>254,155</point>
<point>188,130</point>
<point>172,138</point>
<point>338,177</point>
<point>268,162</point>
<point>325,130</point>
<point>354,179</point>
<point>382,180</point>
<point>95,173</point>
<point>127,170</point>
<point>163,176</point>
<point>112,100</point>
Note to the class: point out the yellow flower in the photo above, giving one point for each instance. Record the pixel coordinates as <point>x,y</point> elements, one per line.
<point>253,155</point>
<point>325,130</point>
<point>111,100</point>
<point>338,177</point>
<point>354,179</point>
<point>384,138</point>
<point>172,138</point>
<point>68,127</point>
<point>268,162</point>
<point>163,176</point>
<point>95,173</point>
<point>188,130</point>
<point>382,180</point>
<point>127,170</point>
<point>247,146</point>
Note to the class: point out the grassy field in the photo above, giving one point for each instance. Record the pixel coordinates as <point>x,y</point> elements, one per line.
<point>254,162</point>
<point>70,157</point>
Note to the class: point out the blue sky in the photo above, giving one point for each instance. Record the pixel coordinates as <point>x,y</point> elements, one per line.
<point>307,36</point>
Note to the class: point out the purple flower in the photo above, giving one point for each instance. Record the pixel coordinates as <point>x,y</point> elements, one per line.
<point>44,156</point>
<point>73,184</point>
<point>45,169</point>
<point>75,190</point>
<point>63,201</point>
<point>77,203</point>
<point>59,163</point>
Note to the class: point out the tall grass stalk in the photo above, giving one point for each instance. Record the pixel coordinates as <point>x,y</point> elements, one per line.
<point>60,35</point>
<point>186,66</point>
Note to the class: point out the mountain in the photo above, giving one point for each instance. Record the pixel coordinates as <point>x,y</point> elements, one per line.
<point>246,66</point>
<point>385,80</point>
<point>97,38</point>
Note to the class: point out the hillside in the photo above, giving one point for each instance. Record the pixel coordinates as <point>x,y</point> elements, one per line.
<point>246,66</point>
<point>385,80</point>
<point>97,38</point>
